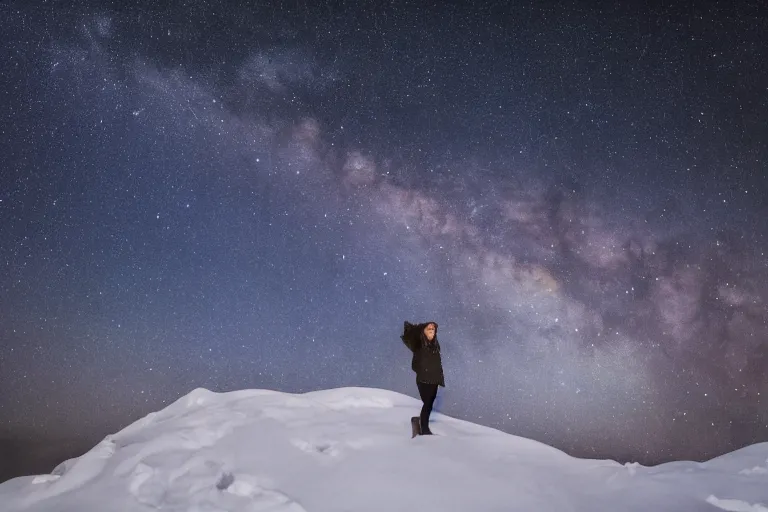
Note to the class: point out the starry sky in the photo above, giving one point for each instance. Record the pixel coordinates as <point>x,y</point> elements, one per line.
<point>235,195</point>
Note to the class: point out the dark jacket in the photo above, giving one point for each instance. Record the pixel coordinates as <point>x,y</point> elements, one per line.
<point>426,361</point>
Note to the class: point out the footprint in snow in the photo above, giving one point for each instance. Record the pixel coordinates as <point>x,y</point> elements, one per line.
<point>205,484</point>
<point>260,498</point>
<point>323,448</point>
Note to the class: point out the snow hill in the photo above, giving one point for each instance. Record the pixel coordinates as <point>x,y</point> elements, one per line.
<point>350,450</point>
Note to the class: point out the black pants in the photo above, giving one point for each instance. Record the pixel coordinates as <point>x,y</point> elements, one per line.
<point>428,393</point>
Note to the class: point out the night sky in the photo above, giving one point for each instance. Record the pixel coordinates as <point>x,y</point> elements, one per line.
<point>234,196</point>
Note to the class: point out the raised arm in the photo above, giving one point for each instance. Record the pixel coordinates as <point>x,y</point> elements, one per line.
<point>411,336</point>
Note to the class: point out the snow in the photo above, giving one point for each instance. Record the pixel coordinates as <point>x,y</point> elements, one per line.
<point>350,449</point>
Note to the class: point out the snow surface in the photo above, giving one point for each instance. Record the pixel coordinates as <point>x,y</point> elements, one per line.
<point>350,449</point>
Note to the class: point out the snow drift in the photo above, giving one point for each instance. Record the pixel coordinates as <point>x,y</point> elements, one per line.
<point>350,449</point>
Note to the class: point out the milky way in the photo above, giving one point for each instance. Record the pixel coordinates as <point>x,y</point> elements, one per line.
<point>237,197</point>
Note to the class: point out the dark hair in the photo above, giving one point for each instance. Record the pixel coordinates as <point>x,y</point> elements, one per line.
<point>434,345</point>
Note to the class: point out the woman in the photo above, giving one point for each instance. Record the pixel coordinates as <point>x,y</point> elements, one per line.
<point>421,339</point>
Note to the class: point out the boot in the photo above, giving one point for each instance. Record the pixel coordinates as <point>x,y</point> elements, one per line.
<point>415,427</point>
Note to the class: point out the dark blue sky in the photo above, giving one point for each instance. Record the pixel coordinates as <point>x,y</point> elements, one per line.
<point>231,196</point>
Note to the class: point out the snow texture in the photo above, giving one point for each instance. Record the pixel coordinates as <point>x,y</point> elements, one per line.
<point>350,450</point>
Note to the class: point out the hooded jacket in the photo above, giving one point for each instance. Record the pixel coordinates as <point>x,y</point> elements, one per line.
<point>426,361</point>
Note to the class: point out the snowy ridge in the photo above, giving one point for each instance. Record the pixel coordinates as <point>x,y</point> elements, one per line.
<point>350,449</point>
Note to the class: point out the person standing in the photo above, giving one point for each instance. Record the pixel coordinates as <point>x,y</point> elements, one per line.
<point>421,339</point>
